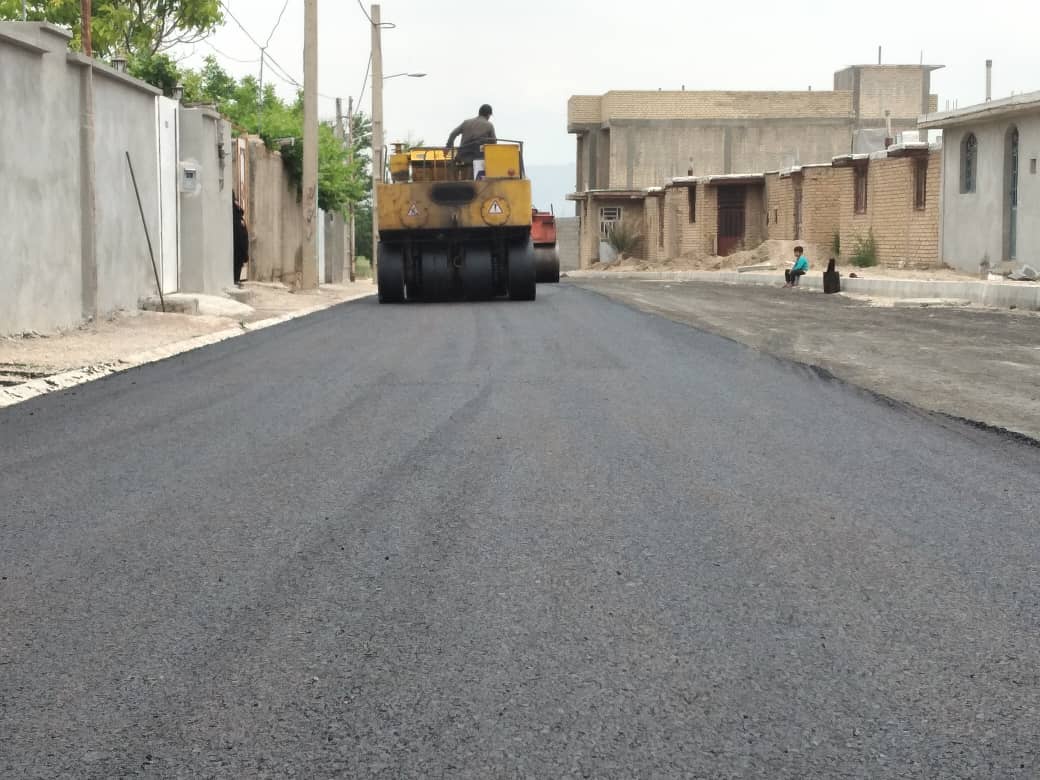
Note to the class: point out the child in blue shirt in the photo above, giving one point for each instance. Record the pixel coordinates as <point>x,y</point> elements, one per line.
<point>798,270</point>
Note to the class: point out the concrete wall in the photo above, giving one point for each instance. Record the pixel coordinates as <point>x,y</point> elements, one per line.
<point>125,121</point>
<point>62,262</point>
<point>207,238</point>
<point>41,248</point>
<point>974,223</point>
<point>335,249</point>
<point>589,242</point>
<point>645,153</point>
<point>276,226</point>
<point>567,242</point>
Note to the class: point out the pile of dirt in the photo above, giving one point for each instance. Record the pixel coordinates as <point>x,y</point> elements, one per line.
<point>781,254</point>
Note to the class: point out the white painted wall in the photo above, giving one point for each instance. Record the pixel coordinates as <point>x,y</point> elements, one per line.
<point>973,223</point>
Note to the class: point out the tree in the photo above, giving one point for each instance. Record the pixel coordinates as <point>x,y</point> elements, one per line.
<point>136,27</point>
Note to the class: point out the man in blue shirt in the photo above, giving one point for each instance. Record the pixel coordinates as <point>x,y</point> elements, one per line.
<point>798,270</point>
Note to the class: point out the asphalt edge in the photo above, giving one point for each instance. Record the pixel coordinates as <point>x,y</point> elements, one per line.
<point>825,374</point>
<point>996,295</point>
<point>34,388</point>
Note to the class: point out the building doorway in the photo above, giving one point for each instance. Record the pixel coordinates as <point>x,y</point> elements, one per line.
<point>1011,195</point>
<point>732,201</point>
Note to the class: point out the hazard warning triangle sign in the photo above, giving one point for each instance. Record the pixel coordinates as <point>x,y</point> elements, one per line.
<point>413,211</point>
<point>496,208</point>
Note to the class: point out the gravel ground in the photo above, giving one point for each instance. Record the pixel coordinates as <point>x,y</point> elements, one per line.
<point>125,334</point>
<point>510,540</point>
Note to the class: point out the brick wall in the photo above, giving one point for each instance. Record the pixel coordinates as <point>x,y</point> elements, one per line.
<point>755,216</point>
<point>821,206</point>
<point>655,240</point>
<point>902,233</point>
<point>821,189</point>
<point>719,105</point>
<point>899,89</point>
<point>779,203</point>
<point>686,238</point>
<point>584,109</point>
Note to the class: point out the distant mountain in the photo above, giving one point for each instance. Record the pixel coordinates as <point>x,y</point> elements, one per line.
<point>550,184</point>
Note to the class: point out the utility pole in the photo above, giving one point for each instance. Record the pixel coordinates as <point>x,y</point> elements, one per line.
<point>351,241</point>
<point>307,269</point>
<point>342,258</point>
<point>88,173</point>
<point>88,38</point>
<point>377,130</point>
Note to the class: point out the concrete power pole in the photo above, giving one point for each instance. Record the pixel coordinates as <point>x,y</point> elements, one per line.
<point>342,259</point>
<point>307,268</point>
<point>377,130</point>
<point>351,240</point>
<point>88,35</point>
<point>88,173</point>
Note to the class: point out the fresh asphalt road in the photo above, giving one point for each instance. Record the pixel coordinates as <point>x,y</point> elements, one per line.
<point>558,539</point>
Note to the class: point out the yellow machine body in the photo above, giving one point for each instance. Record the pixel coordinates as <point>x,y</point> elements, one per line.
<point>429,205</point>
<point>429,190</point>
<point>446,233</point>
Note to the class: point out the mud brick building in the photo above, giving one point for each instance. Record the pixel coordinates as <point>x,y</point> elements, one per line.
<point>630,141</point>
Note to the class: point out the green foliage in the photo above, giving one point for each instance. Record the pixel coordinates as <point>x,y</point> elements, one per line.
<point>137,27</point>
<point>865,254</point>
<point>159,70</point>
<point>341,181</point>
<point>623,238</point>
<point>362,268</point>
<point>836,244</point>
<point>363,229</point>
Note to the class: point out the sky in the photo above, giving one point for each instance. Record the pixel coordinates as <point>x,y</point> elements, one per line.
<point>526,57</point>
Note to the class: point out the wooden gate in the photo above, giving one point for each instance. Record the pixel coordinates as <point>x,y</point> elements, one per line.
<point>732,209</point>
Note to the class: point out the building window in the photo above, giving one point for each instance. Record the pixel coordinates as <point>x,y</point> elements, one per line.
<point>920,184</point>
<point>861,189</point>
<point>969,162</point>
<point>691,196</point>
<point>609,217</point>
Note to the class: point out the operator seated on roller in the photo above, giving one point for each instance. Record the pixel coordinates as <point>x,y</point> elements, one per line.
<point>475,133</point>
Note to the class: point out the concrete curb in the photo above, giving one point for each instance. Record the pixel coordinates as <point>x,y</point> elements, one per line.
<point>11,396</point>
<point>1003,295</point>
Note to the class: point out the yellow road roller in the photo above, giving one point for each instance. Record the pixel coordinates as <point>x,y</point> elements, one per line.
<point>456,230</point>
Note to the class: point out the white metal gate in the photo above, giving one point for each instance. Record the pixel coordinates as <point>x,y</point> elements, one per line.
<point>169,215</point>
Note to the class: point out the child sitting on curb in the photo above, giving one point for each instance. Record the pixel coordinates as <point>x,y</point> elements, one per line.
<point>798,270</point>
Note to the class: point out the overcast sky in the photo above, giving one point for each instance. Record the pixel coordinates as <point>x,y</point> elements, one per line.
<point>526,57</point>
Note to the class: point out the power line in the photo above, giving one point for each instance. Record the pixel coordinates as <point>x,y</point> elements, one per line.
<point>384,25</point>
<point>364,83</point>
<point>275,28</point>
<point>240,25</point>
<point>264,55</point>
<point>229,57</point>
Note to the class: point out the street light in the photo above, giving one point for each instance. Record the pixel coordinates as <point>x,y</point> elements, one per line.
<point>377,126</point>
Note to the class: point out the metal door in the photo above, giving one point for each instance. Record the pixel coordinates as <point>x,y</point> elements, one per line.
<point>169,199</point>
<point>731,201</point>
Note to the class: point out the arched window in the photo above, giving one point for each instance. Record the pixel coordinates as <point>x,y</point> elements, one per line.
<point>969,162</point>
